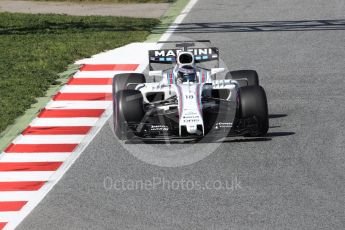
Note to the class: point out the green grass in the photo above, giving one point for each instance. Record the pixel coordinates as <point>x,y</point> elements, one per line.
<point>35,48</point>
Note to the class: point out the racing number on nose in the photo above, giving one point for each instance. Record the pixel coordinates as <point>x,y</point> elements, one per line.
<point>190,96</point>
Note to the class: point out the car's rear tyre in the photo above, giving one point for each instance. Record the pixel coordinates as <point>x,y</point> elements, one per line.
<point>253,103</point>
<point>251,77</point>
<point>128,108</point>
<point>122,83</point>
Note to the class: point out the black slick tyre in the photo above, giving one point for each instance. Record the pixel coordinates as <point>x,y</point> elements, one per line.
<point>253,104</point>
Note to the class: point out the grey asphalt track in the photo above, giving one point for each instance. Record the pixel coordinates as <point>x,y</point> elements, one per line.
<point>292,179</point>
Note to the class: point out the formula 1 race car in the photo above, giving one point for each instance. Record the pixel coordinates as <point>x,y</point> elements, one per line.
<point>188,101</point>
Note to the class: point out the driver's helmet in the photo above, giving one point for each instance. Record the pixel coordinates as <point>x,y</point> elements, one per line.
<point>186,73</point>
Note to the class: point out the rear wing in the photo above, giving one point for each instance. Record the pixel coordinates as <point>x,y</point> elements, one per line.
<point>168,56</point>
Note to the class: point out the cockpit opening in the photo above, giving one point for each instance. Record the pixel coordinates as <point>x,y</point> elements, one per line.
<point>186,74</point>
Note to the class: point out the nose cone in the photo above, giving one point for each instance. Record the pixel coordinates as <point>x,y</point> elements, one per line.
<point>192,129</point>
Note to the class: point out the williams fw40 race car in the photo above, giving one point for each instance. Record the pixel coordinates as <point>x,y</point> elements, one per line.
<point>187,100</point>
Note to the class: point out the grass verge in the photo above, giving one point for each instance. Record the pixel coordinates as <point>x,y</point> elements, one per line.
<point>112,1</point>
<point>35,48</point>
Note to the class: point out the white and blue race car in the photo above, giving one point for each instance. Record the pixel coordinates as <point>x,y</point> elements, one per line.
<point>188,101</point>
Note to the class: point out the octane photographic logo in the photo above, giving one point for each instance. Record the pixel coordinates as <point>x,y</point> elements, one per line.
<point>176,153</point>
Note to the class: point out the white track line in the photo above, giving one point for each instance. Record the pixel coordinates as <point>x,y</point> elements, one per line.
<point>75,121</point>
<point>17,196</point>
<point>134,53</point>
<point>79,105</point>
<point>97,74</point>
<point>25,176</point>
<point>87,89</point>
<point>34,157</point>
<point>178,20</point>
<point>48,139</point>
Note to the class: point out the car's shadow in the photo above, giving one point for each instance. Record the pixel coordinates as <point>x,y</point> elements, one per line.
<point>273,116</point>
<point>210,139</point>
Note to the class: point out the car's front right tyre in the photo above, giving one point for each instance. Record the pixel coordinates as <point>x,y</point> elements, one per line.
<point>121,83</point>
<point>128,108</point>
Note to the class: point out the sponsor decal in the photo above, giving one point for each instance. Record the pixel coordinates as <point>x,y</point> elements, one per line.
<point>191,118</point>
<point>203,52</point>
<point>223,125</point>
<point>159,128</point>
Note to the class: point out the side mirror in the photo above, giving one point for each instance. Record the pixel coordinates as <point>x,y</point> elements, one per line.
<point>217,70</point>
<point>158,73</point>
